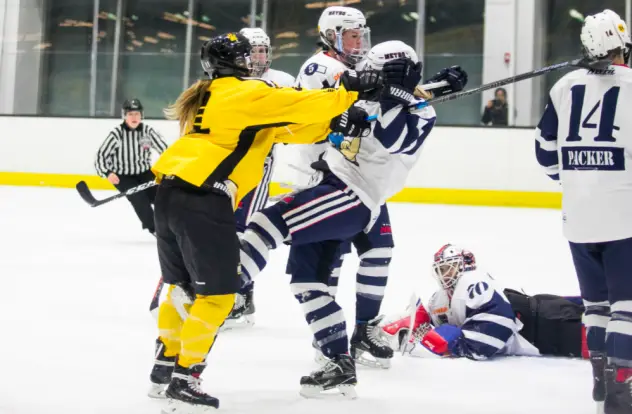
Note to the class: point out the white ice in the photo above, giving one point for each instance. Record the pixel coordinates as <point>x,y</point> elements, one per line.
<point>77,336</point>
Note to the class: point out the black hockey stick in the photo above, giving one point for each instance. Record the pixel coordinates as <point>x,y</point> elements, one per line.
<point>86,194</point>
<point>576,63</point>
<point>155,299</point>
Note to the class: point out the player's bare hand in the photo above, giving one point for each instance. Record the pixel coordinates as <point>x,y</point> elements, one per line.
<point>490,104</point>
<point>113,178</point>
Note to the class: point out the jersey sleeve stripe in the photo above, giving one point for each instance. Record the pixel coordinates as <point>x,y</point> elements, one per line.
<point>488,317</point>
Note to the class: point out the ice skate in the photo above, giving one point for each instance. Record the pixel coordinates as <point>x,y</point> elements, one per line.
<point>598,362</point>
<point>161,372</point>
<point>243,313</point>
<point>184,393</point>
<point>368,347</point>
<point>337,379</point>
<point>618,390</point>
<point>319,357</point>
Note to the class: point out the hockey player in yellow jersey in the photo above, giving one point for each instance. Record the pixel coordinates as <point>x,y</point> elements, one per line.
<point>229,123</point>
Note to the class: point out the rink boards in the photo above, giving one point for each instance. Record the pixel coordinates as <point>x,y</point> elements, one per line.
<point>458,165</point>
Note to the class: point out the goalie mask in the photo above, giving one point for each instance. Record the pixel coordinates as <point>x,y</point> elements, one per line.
<point>260,52</point>
<point>449,264</point>
<point>344,31</point>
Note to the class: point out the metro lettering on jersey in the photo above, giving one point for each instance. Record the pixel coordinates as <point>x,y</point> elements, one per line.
<point>593,158</point>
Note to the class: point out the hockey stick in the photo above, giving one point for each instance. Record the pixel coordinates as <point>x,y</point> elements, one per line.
<point>411,322</point>
<point>86,194</point>
<point>155,299</point>
<point>583,63</point>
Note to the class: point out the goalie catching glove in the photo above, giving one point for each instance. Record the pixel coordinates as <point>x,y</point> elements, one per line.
<point>442,341</point>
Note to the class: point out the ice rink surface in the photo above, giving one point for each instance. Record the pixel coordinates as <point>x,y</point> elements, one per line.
<point>77,336</point>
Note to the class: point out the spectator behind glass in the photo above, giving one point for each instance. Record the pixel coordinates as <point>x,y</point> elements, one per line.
<point>496,109</point>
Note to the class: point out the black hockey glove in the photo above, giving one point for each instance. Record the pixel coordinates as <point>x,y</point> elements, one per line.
<point>351,123</point>
<point>456,78</point>
<point>365,82</point>
<point>401,76</point>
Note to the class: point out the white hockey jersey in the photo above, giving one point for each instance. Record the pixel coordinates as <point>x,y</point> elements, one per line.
<point>279,77</point>
<point>485,316</point>
<point>584,139</point>
<point>320,71</point>
<point>379,168</point>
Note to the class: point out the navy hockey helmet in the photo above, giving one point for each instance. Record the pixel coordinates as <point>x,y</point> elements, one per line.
<point>226,55</point>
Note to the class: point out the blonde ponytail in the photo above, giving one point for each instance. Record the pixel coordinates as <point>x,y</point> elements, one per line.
<point>186,106</point>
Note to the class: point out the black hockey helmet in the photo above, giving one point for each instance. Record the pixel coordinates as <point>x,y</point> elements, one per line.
<point>226,55</point>
<point>132,105</point>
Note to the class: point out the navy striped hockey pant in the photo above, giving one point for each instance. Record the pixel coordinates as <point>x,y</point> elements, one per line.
<point>604,271</point>
<point>374,249</point>
<point>315,221</point>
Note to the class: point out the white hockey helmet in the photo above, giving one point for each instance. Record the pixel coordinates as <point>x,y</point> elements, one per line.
<point>260,52</point>
<point>385,51</point>
<point>332,25</point>
<point>604,33</point>
<point>449,264</point>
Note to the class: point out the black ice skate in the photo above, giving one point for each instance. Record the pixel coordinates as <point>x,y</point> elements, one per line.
<point>368,347</point>
<point>161,372</point>
<point>319,356</point>
<point>598,362</point>
<point>338,375</point>
<point>618,390</point>
<point>184,393</point>
<point>243,313</point>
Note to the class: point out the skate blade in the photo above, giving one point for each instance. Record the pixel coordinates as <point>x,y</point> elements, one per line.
<point>180,407</point>
<point>157,391</point>
<point>368,360</point>
<point>341,392</point>
<point>600,407</point>
<point>244,321</point>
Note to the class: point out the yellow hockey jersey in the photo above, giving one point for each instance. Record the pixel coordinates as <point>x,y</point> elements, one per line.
<point>237,124</point>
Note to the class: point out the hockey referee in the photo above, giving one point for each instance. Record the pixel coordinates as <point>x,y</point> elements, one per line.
<point>124,159</point>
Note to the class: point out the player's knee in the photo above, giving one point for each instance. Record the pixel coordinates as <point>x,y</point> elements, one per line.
<point>621,312</point>
<point>375,262</point>
<point>212,310</point>
<point>306,291</point>
<point>272,231</point>
<point>597,314</point>
<point>380,256</point>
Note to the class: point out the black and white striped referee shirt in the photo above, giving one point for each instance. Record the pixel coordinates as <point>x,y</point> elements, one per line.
<point>128,151</point>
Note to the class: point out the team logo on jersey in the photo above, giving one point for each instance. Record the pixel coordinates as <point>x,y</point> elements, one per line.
<point>145,142</point>
<point>593,158</point>
<point>315,67</point>
<point>287,199</point>
<point>477,289</point>
<point>385,229</point>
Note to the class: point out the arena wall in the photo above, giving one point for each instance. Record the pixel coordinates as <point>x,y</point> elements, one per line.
<point>472,166</point>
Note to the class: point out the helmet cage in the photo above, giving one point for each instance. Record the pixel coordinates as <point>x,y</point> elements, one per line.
<point>447,271</point>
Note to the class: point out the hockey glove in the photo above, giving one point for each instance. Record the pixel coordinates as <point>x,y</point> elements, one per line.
<point>443,340</point>
<point>456,78</point>
<point>365,82</point>
<point>351,123</point>
<point>401,76</point>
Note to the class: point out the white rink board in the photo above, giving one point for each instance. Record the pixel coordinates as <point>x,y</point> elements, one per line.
<point>453,157</point>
